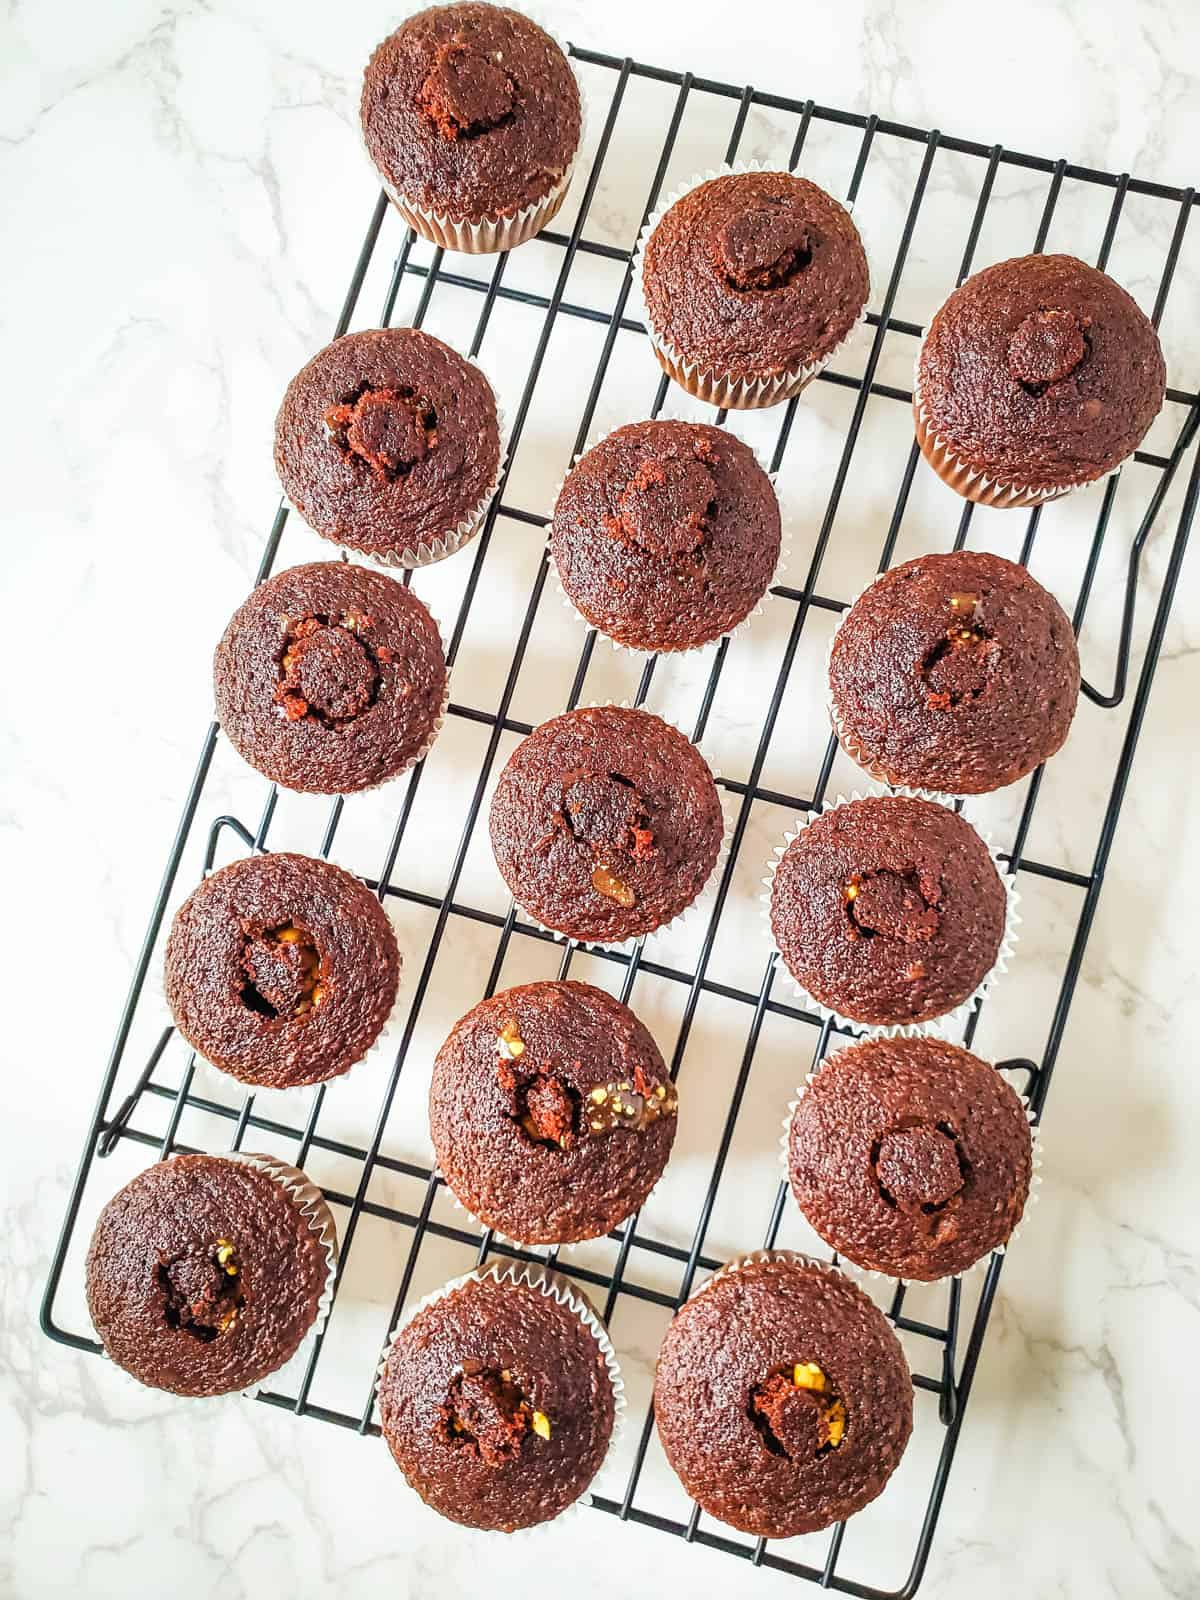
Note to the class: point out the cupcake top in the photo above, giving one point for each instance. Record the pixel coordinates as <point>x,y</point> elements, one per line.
<point>888,910</point>
<point>497,1404</point>
<point>388,442</point>
<point>1041,371</point>
<point>955,672</point>
<point>551,1112</point>
<point>330,678</point>
<point>755,273</point>
<point>470,111</point>
<point>666,534</point>
<point>782,1397</point>
<point>281,970</point>
<point>204,1275</point>
<point>606,823</point>
<point>910,1157</point>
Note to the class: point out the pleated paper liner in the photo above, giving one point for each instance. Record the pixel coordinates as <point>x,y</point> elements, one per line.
<point>706,894</point>
<point>939,1027</point>
<point>785,550</point>
<point>723,389</point>
<point>853,1267</point>
<point>311,1204</point>
<point>972,482</point>
<point>504,231</point>
<point>554,1286</point>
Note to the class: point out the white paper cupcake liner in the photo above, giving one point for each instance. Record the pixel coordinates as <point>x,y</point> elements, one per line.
<point>944,1026</point>
<point>972,483</point>
<point>717,388</point>
<point>853,1267</point>
<point>312,1205</point>
<point>489,235</point>
<point>430,551</point>
<point>555,1287</point>
<point>706,893</point>
<point>785,551</point>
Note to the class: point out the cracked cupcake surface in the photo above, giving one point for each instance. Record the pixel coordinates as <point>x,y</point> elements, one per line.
<point>666,534</point>
<point>551,1112</point>
<point>203,1275</point>
<point>1040,372</point>
<point>470,111</point>
<point>388,441</point>
<point>330,678</point>
<point>755,274</point>
<point>782,1397</point>
<point>281,970</point>
<point>497,1405</point>
<point>954,672</point>
<point>910,1157</point>
<point>888,910</point>
<point>606,823</point>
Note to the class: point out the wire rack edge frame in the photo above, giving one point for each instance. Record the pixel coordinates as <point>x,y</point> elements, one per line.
<point>953,1391</point>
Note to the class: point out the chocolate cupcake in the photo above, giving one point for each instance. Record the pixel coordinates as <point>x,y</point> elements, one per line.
<point>606,823</point>
<point>888,911</point>
<point>206,1272</point>
<point>1037,375</point>
<point>281,970</point>
<point>751,281</point>
<point>666,535</point>
<point>473,117</point>
<point>782,1397</point>
<point>910,1157</point>
<point>388,442</point>
<point>954,672</point>
<point>551,1112</point>
<point>498,1398</point>
<point>330,679</point>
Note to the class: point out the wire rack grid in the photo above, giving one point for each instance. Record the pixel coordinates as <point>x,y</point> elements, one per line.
<point>646,1266</point>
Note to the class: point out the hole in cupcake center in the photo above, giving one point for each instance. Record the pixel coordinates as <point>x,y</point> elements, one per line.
<point>604,812</point>
<point>797,1412</point>
<point>202,1290</point>
<point>391,430</point>
<point>764,247</point>
<point>895,905</point>
<point>327,671</point>
<point>282,967</point>
<point>486,1414</point>
<point>960,666</point>
<point>1046,348</point>
<point>467,92</point>
<point>919,1169</point>
<point>667,506</point>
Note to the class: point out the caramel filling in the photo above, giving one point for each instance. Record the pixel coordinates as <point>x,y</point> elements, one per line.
<point>797,1412</point>
<point>202,1290</point>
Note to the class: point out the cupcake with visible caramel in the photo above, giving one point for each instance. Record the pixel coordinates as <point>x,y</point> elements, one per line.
<point>498,1398</point>
<point>473,117</point>
<point>206,1272</point>
<point>751,282</point>
<point>552,1113</point>
<point>281,970</point>
<point>955,672</point>
<point>889,912</point>
<point>1036,376</point>
<point>782,1396</point>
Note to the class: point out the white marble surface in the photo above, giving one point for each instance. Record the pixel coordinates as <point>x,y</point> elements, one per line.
<point>183,193</point>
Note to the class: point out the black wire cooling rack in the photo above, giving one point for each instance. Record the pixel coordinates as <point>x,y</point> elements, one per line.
<point>950,1342</point>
